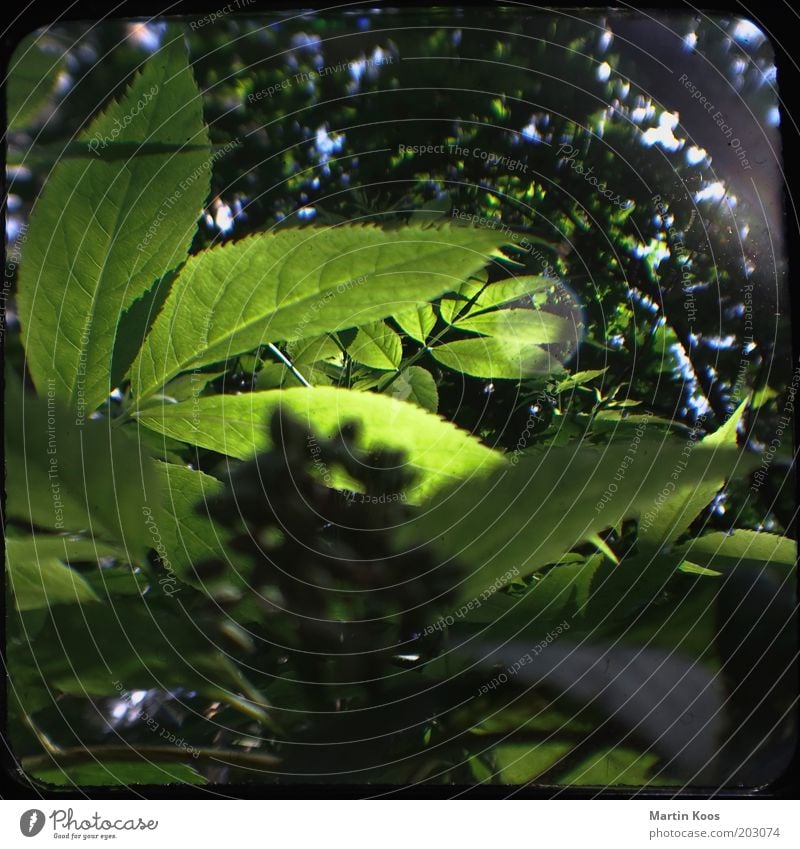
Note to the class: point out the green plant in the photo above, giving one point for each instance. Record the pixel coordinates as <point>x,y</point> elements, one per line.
<point>435,557</point>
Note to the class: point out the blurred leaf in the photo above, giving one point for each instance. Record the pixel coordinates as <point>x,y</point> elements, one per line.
<point>38,578</point>
<point>741,547</point>
<point>73,476</point>
<point>120,773</point>
<point>31,80</point>
<point>431,211</point>
<point>136,644</point>
<point>617,766</point>
<point>695,478</point>
<point>518,763</point>
<point>528,515</point>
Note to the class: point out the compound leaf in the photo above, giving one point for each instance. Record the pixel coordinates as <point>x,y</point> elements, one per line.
<point>300,282</point>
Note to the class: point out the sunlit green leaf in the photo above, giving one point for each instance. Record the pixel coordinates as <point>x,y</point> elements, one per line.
<point>295,283</point>
<point>528,515</point>
<point>102,232</point>
<point>416,321</point>
<point>236,425</point>
<point>186,532</point>
<point>520,288</point>
<point>528,326</point>
<point>456,302</point>
<point>510,358</point>
<point>416,385</point>
<point>377,346</point>
<point>313,350</point>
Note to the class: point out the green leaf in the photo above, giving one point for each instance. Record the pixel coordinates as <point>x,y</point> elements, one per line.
<point>294,283</point>
<point>694,569</point>
<point>554,600</point>
<point>528,515</point>
<point>513,289</point>
<point>518,763</point>
<point>416,385</point>
<point>236,425</point>
<point>313,350</point>
<point>527,326</point>
<point>763,396</point>
<point>190,385</point>
<point>274,375</point>
<point>120,773</point>
<point>615,766</point>
<point>31,81</point>
<point>38,576</point>
<point>620,591</point>
<point>696,477</point>
<point>68,549</point>
<point>76,476</point>
<point>136,644</point>
<point>509,358</point>
<point>579,379</point>
<point>103,232</point>
<point>429,212</point>
<point>133,324</point>
<point>417,321</point>
<point>451,305</point>
<point>117,581</point>
<point>753,548</point>
<point>377,346</point>
<point>188,536</point>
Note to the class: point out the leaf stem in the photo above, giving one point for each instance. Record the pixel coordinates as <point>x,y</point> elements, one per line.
<point>289,364</point>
